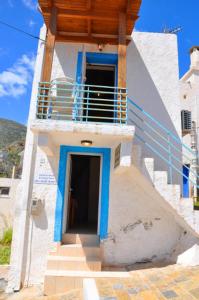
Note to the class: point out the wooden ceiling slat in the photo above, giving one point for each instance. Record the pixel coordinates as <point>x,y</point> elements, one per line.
<point>91,16</point>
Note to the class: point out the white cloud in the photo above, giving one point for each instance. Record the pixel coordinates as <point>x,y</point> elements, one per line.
<point>31,4</point>
<point>15,80</point>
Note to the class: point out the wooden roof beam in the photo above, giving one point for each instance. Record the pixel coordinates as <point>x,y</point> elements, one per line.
<point>89,14</point>
<point>49,47</point>
<point>86,39</point>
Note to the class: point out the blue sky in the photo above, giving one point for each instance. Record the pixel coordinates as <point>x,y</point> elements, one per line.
<point>17,51</point>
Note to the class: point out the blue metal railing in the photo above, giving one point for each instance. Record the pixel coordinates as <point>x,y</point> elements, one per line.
<point>81,102</point>
<point>162,142</point>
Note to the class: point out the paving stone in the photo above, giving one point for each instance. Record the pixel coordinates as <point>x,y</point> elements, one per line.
<point>118,286</point>
<point>195,293</point>
<point>169,294</point>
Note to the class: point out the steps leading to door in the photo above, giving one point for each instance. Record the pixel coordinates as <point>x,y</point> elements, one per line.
<point>57,282</point>
<point>83,239</point>
<point>77,255</point>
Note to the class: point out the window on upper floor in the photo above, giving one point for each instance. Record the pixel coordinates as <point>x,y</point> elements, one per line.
<point>186,121</point>
<point>4,191</point>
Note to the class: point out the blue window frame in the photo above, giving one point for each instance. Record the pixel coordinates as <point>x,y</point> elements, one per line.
<point>104,195</point>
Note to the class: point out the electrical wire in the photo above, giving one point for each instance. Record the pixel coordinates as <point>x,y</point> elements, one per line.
<point>20,30</point>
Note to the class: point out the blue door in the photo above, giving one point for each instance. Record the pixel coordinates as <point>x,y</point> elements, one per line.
<point>186,181</point>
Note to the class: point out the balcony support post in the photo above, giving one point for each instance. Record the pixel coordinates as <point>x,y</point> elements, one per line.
<point>122,48</point>
<point>50,45</point>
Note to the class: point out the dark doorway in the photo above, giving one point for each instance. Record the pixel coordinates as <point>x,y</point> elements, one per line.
<point>99,100</point>
<point>83,194</point>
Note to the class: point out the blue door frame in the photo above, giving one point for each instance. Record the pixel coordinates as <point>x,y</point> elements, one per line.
<point>96,58</point>
<point>99,59</point>
<point>104,195</point>
<point>186,181</point>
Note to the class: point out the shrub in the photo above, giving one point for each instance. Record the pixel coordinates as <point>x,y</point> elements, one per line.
<point>7,237</point>
<point>5,255</point>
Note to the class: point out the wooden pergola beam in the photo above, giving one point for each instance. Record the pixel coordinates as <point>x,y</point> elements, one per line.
<point>89,21</point>
<point>50,45</point>
<point>86,39</point>
<point>122,51</point>
<point>89,14</point>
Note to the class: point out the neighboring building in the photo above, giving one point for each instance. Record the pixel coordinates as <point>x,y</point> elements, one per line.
<point>102,172</point>
<point>189,94</point>
<point>8,188</point>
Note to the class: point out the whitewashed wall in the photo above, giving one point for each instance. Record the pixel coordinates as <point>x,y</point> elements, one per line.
<point>142,227</point>
<point>7,203</point>
<point>153,83</point>
<point>41,228</point>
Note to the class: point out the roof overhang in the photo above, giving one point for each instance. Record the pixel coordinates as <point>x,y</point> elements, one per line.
<point>91,21</point>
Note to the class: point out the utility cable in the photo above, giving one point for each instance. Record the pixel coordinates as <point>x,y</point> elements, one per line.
<point>20,30</point>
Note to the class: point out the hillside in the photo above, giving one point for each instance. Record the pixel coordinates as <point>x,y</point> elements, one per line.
<point>12,141</point>
<point>10,132</point>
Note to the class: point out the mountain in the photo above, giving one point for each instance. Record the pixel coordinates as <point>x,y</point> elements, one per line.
<point>11,132</point>
<point>12,141</point>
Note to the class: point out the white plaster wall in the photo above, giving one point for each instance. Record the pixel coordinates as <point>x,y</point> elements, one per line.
<point>7,203</point>
<point>140,227</point>
<point>24,192</point>
<point>41,229</point>
<point>189,96</point>
<point>153,83</point>
<point>65,58</point>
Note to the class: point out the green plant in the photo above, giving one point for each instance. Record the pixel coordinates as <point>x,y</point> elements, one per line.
<point>7,237</point>
<point>5,247</point>
<point>5,255</point>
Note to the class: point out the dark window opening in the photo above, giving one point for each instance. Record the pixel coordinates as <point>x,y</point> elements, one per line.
<point>83,198</point>
<point>99,101</point>
<point>4,191</point>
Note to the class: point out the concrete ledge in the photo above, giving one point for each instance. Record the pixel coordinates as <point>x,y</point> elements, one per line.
<point>102,135</point>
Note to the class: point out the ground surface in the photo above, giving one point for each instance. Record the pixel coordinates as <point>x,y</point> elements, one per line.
<point>152,283</point>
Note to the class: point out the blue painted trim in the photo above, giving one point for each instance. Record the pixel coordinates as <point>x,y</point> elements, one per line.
<point>79,67</point>
<point>186,182</point>
<point>59,212</point>
<point>102,58</point>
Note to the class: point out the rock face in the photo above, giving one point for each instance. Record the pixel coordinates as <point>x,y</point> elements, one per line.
<point>189,258</point>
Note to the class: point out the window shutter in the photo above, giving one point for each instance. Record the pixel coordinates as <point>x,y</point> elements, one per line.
<point>186,120</point>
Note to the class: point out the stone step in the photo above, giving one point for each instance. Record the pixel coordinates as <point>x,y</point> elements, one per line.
<point>160,178</point>
<point>77,250</point>
<point>83,239</point>
<point>62,263</point>
<point>57,282</point>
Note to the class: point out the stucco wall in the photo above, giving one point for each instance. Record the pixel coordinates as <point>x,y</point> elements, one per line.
<point>153,83</point>
<point>41,228</point>
<point>7,203</point>
<point>140,229</point>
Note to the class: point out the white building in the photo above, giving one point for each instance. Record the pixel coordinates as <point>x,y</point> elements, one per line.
<point>189,96</point>
<point>102,174</point>
<point>8,188</point>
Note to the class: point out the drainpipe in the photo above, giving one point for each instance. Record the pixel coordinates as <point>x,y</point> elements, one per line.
<point>194,163</point>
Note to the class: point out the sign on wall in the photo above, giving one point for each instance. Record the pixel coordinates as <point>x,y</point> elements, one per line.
<point>117,156</point>
<point>44,173</point>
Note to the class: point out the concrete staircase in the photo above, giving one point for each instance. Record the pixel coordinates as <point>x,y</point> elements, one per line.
<point>170,192</point>
<point>76,258</point>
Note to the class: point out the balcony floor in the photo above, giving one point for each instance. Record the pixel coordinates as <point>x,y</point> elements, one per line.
<point>72,133</point>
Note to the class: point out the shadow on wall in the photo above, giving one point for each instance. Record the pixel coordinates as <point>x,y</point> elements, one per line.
<point>142,89</point>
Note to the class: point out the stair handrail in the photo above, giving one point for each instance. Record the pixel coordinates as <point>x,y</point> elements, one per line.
<point>169,142</point>
<point>176,138</point>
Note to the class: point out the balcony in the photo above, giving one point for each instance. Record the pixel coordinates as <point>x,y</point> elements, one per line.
<point>79,109</point>
<point>68,101</point>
